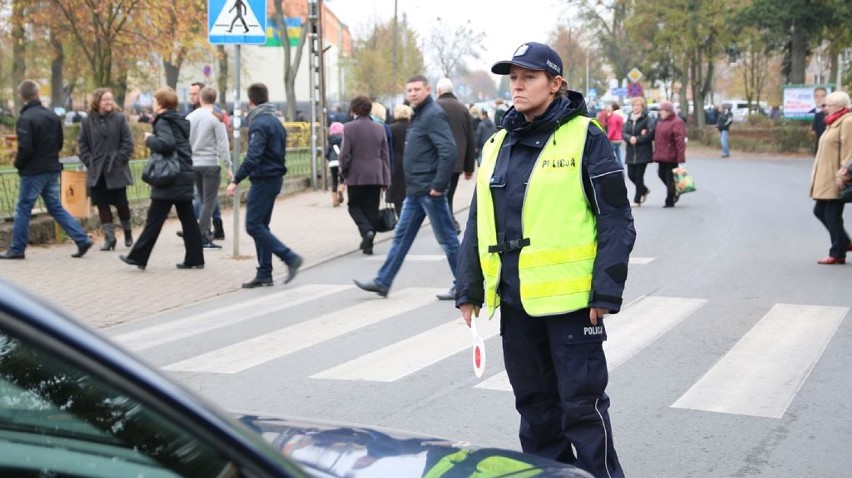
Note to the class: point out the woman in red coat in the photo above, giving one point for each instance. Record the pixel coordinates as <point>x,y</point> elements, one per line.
<point>669,148</point>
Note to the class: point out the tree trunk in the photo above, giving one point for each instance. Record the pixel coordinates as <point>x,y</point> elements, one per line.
<point>120,88</point>
<point>57,92</point>
<point>222,79</point>
<point>18,48</point>
<point>798,52</point>
<point>172,72</point>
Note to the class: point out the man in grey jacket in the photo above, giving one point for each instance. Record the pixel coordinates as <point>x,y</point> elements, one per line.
<point>209,141</point>
<point>430,154</point>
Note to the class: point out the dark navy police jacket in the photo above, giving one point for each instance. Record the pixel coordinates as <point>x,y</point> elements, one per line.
<point>603,180</point>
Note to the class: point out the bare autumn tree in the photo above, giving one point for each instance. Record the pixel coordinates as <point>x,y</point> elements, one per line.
<point>291,60</point>
<point>606,19</point>
<point>19,10</point>
<point>104,30</point>
<point>570,42</point>
<point>373,72</point>
<point>451,46</point>
<point>181,36</point>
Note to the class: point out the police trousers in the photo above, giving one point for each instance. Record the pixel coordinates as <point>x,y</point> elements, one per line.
<point>558,372</point>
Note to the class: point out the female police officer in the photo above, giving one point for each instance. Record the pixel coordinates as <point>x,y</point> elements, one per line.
<point>547,240</point>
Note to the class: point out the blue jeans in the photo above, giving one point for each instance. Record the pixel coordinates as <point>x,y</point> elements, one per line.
<point>259,204</point>
<point>726,150</point>
<point>45,185</point>
<point>414,211</point>
<point>196,205</point>
<point>616,148</point>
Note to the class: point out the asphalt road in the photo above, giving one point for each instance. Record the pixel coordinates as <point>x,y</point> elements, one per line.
<point>730,358</point>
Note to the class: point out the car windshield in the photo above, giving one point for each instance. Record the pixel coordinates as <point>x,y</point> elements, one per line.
<point>58,420</point>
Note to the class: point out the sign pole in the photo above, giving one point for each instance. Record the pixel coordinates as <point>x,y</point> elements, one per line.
<point>248,17</point>
<point>236,158</point>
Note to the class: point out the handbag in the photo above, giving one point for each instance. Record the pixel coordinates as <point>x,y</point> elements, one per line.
<point>387,218</point>
<point>161,170</point>
<point>683,180</point>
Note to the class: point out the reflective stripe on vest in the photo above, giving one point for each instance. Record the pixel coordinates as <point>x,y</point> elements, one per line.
<point>555,269</point>
<point>489,466</point>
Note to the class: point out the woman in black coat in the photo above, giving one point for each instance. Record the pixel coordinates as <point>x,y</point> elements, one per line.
<point>638,135</point>
<point>171,134</point>
<point>105,146</point>
<point>399,128</point>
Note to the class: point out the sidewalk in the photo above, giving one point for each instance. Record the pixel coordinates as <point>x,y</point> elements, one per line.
<point>103,291</point>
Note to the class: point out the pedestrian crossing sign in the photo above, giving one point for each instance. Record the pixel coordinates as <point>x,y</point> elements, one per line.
<point>236,22</point>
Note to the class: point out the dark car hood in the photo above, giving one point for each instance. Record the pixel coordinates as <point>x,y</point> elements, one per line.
<point>335,450</point>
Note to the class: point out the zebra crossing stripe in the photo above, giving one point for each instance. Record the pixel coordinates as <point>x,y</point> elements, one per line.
<point>761,374</point>
<point>640,323</point>
<point>411,257</point>
<point>264,348</point>
<point>241,311</point>
<point>639,261</point>
<point>396,361</point>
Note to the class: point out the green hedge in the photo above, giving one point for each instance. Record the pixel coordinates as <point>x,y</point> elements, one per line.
<point>766,137</point>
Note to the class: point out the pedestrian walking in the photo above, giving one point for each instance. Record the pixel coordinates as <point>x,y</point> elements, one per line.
<point>208,139</point>
<point>364,168</point>
<point>723,124</point>
<point>554,272</point>
<point>818,124</point>
<point>195,103</point>
<point>332,153</point>
<point>835,148</point>
<point>483,131</point>
<point>462,127</point>
<point>638,135</point>
<point>264,165</point>
<point>669,148</point>
<point>614,130</point>
<point>40,139</point>
<point>430,153</point>
<point>399,130</point>
<point>171,135</point>
<point>105,146</point>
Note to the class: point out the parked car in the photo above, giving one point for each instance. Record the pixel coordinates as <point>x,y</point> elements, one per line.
<point>73,404</point>
<point>740,108</point>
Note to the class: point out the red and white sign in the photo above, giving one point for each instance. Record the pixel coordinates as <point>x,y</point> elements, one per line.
<point>478,352</point>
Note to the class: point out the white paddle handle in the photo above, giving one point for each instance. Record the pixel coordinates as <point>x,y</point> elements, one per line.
<point>473,331</point>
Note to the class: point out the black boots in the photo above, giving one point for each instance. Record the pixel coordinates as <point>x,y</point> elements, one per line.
<point>109,237</point>
<point>128,233</point>
<point>218,230</point>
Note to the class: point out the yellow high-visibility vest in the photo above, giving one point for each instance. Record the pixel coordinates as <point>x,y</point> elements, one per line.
<point>555,269</point>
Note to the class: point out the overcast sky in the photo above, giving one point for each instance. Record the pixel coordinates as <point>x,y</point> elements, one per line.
<point>505,29</point>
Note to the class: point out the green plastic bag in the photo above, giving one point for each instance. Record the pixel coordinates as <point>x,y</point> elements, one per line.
<point>683,180</point>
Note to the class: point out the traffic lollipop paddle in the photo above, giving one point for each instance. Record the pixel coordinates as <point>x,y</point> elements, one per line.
<point>478,352</point>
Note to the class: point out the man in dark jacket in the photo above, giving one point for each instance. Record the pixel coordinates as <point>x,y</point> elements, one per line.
<point>40,139</point>
<point>483,131</point>
<point>462,126</point>
<point>264,166</point>
<point>430,153</point>
<point>723,124</point>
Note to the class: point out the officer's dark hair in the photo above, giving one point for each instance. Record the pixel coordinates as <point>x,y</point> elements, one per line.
<point>419,78</point>
<point>258,93</point>
<point>199,84</point>
<point>563,87</point>
<point>361,105</point>
<point>28,90</point>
